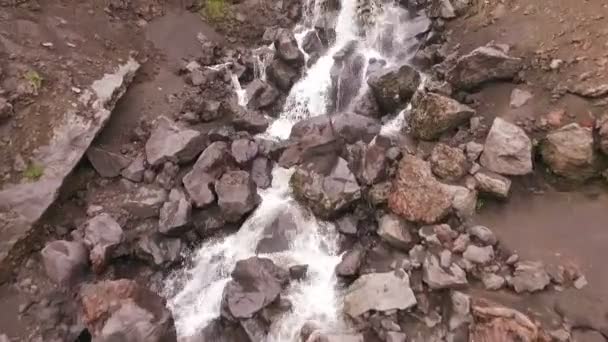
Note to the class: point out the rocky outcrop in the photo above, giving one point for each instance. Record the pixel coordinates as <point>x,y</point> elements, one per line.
<point>394,87</point>
<point>416,195</point>
<point>244,150</point>
<point>107,164</point>
<point>102,234</point>
<point>236,195</point>
<point>171,142</point>
<point>122,310</point>
<point>379,292</point>
<point>484,64</point>
<point>448,162</point>
<point>135,171</point>
<point>569,152</point>
<point>326,194</point>
<point>65,261</point>
<point>432,114</point>
<point>507,150</point>
<point>287,49</point>
<point>175,214</point>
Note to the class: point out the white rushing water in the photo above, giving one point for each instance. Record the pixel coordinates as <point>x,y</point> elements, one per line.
<point>194,293</point>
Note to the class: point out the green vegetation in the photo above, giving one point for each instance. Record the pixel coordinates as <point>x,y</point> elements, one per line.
<point>33,172</point>
<point>480,204</point>
<point>215,9</point>
<point>35,79</point>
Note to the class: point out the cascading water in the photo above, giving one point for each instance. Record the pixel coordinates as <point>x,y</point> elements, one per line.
<point>195,293</point>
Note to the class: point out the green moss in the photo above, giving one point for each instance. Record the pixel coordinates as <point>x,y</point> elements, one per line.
<point>35,80</point>
<point>214,9</point>
<point>33,172</point>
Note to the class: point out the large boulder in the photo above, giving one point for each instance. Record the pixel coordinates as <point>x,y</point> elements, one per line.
<point>122,310</point>
<point>326,194</point>
<point>507,150</point>
<point>529,276</point>
<point>348,126</point>
<point>394,87</point>
<point>287,48</point>
<point>396,232</point>
<point>448,163</point>
<point>278,235</point>
<point>569,152</point>
<point>145,201</point>
<point>261,94</point>
<point>282,75</point>
<point>437,278</point>
<point>65,261</point>
<point>493,184</point>
<point>170,142</point>
<point>261,172</point>
<point>432,114</point>
<point>102,234</point>
<point>108,164</point>
<point>379,292</point>
<point>416,195</point>
<point>175,214</point>
<point>256,282</point>
<point>252,122</point>
<point>244,150</point>
<point>494,322</point>
<point>159,250</point>
<point>237,195</point>
<point>486,63</point>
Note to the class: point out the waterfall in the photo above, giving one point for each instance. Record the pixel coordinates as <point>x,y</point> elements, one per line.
<point>194,293</point>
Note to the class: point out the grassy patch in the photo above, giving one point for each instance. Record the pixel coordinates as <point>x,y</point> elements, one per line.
<point>33,172</point>
<point>214,9</point>
<point>480,204</point>
<point>35,80</point>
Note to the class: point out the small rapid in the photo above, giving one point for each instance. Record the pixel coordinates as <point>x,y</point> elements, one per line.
<point>194,293</point>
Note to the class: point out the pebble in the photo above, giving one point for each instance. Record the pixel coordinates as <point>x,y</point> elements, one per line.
<point>492,281</point>
<point>580,282</point>
<point>513,259</point>
<point>556,64</point>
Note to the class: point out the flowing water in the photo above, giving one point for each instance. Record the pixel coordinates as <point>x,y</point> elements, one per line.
<point>195,292</point>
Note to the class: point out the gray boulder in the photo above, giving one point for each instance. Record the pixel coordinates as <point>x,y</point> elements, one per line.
<point>483,234</point>
<point>244,150</point>
<point>107,164</point>
<point>236,195</point>
<point>379,292</point>
<point>282,75</point>
<point>170,142</point>
<point>350,263</point>
<point>492,281</point>
<point>484,64</point>
<point>394,87</point>
<point>432,114</point>
<point>159,250</point>
<point>175,214</point>
<point>326,194</point>
<point>507,150</point>
<point>396,232</point>
<point>569,152</point>
<point>287,48</point>
<point>102,234</point>
<point>348,126</point>
<point>493,184</point>
<point>65,261</point>
<point>135,171</point>
<point>146,201</point>
<point>261,172</point>
<point>473,151</point>
<point>479,255</point>
<point>438,278</point>
<point>261,94</point>
<point>448,162</point>
<point>461,310</point>
<point>529,276</point>
<point>252,122</point>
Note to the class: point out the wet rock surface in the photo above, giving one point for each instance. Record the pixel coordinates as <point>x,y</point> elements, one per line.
<point>434,114</point>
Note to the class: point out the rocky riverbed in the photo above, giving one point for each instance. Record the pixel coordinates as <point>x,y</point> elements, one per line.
<point>315,171</point>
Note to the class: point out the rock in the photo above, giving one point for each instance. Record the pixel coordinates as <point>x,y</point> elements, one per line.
<point>261,172</point>
<point>159,250</point>
<point>432,114</point>
<point>492,281</point>
<point>278,235</point>
<point>484,64</point>
<point>379,292</point>
<point>146,201</point>
<point>326,195</point>
<point>236,195</point>
<point>350,263</point>
<point>461,310</point>
<point>135,171</point>
<point>373,164</point>
<point>473,151</point>
<point>483,234</point>
<point>442,9</point>
<point>497,323</point>
<point>507,150</point>
<point>587,336</point>
<point>251,122</point>
<point>261,94</point>
<point>416,195</point>
<point>282,75</point>
<point>312,43</point>
<point>347,225</point>
<point>166,177</point>
<point>479,255</point>
<point>519,97</point>
<point>461,243</point>
<point>121,310</point>
<point>102,234</point>
<point>65,261</point>
<point>394,87</point>
<point>437,278</point>
<point>580,282</point>
<point>298,272</point>
<point>378,194</point>
<point>602,131</point>
<point>493,184</point>
<point>244,150</point>
<point>393,336</point>
<point>529,276</point>
<point>210,165</point>
<point>287,48</point>
<point>208,221</point>
<point>170,142</point>
<point>6,110</point>
<point>175,214</point>
<point>569,152</point>
<point>256,282</point>
<point>353,127</point>
<point>448,163</point>
<point>464,201</point>
<point>107,164</point>
<point>318,336</point>
<point>396,232</point>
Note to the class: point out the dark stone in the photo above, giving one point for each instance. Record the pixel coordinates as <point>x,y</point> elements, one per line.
<point>287,48</point>
<point>261,172</point>
<point>298,272</point>
<point>159,250</point>
<point>237,195</point>
<point>261,94</point>
<point>350,263</point>
<point>394,87</point>
<point>282,75</point>
<point>65,261</point>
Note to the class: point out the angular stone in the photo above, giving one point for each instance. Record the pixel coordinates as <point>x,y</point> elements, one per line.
<point>448,163</point>
<point>519,97</point>
<point>473,151</point>
<point>251,122</point>
<point>326,195</point>
<point>159,250</point>
<point>493,184</point>
<point>261,94</point>
<point>244,150</point>
<point>261,172</point>
<point>507,150</point>
<point>347,225</point>
<point>65,261</point>
<point>102,234</point>
<point>298,272</point>
<point>432,114</point>
<point>417,195</point>
<point>492,281</point>
<point>210,165</point>
<point>236,195</point>
<point>494,322</point>
<point>6,110</point>
<point>135,171</point>
<point>287,48</point>
<point>461,310</point>
<point>396,232</point>
<point>379,292</point>
<point>483,234</point>
<point>464,201</point>
<point>529,276</point>
<point>146,201</point>
<point>479,255</point>
<point>170,142</point>
<point>484,64</point>
<point>437,278</point>
<point>281,74</point>
<point>394,87</point>
<point>350,263</point>
<point>175,214</point>
<point>569,152</point>
<point>107,164</point>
